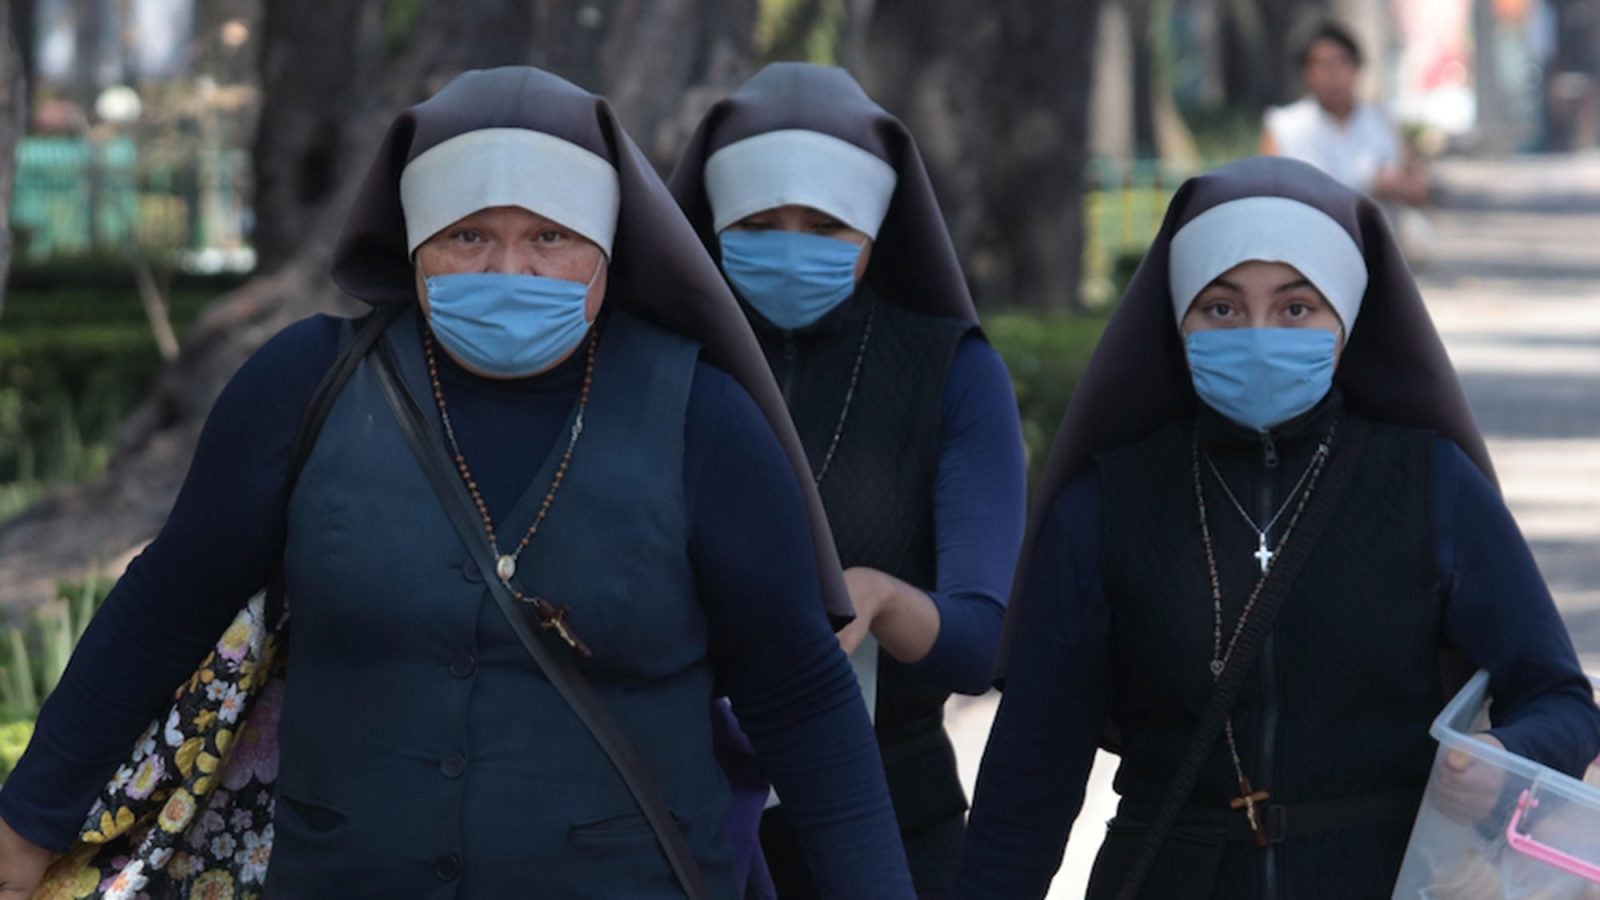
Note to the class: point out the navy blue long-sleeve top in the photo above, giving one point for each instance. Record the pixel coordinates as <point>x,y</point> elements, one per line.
<point>770,641</point>
<point>978,494</point>
<point>1058,678</point>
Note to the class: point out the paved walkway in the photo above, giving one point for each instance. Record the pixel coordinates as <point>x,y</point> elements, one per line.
<point>1513,282</point>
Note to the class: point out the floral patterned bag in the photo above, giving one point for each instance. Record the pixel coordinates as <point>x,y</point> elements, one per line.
<point>190,813</point>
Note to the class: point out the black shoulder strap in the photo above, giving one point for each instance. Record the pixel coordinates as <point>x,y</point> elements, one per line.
<point>368,329</point>
<point>1319,510</point>
<point>428,447</point>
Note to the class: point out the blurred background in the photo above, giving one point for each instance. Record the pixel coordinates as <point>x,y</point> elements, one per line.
<point>173,174</point>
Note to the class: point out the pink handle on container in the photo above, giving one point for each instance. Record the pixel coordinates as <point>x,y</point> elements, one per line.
<point>1527,846</point>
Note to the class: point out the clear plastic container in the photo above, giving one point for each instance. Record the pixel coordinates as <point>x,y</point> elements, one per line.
<point>1495,825</point>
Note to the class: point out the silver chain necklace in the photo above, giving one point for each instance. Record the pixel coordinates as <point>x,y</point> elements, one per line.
<point>849,396</point>
<point>1249,797</point>
<point>1263,554</point>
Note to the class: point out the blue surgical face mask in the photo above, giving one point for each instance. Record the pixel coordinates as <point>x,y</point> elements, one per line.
<point>791,278</point>
<point>1261,377</point>
<point>508,325</point>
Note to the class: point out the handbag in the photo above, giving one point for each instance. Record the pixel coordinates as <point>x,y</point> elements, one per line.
<point>189,814</point>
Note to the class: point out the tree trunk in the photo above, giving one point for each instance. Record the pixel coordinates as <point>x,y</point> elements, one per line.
<point>1261,49</point>
<point>1144,77</point>
<point>334,72</point>
<point>661,63</point>
<point>998,97</point>
<point>13,123</point>
<point>23,24</point>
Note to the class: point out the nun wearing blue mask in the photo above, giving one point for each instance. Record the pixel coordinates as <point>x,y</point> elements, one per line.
<point>815,202</point>
<point>1268,486</point>
<point>633,478</point>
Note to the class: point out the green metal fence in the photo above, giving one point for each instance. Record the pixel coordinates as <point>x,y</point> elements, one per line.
<point>75,197</point>
<point>1124,203</point>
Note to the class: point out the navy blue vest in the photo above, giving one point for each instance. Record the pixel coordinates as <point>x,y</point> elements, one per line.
<point>423,752</point>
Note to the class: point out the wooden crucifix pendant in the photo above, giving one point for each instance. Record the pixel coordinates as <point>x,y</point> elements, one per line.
<point>554,618</point>
<point>1247,801</point>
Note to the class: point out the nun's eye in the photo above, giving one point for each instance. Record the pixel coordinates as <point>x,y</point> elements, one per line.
<point>467,236</point>
<point>552,236</point>
<point>828,227</point>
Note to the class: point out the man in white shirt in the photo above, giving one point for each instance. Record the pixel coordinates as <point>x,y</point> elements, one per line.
<point>1331,129</point>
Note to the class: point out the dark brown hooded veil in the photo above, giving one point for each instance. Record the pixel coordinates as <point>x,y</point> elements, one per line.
<point>1393,368</point>
<point>659,271</point>
<point>913,264</point>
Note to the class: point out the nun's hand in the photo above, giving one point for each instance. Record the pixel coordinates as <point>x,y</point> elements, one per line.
<point>22,863</point>
<point>1469,787</point>
<point>901,616</point>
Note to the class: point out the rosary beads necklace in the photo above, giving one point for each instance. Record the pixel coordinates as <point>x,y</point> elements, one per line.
<point>551,616</point>
<point>1248,798</point>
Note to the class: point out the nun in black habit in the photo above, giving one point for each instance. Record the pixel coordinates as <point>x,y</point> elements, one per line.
<point>629,458</point>
<point>1269,425</point>
<point>815,202</point>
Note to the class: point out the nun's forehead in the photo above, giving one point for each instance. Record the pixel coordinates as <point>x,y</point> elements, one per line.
<point>1267,229</point>
<point>510,167</point>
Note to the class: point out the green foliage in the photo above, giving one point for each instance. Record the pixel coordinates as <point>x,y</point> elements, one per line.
<point>76,355</point>
<point>805,30</point>
<point>34,655</point>
<point>1046,355</point>
<point>399,22</point>
<point>1119,223</point>
<point>1223,132</point>
<point>19,692</point>
<point>14,737</point>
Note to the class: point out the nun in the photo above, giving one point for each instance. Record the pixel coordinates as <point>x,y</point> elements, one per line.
<point>817,206</point>
<point>633,478</point>
<point>1268,543</point>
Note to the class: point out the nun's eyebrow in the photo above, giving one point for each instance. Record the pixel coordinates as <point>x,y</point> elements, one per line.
<point>1292,286</point>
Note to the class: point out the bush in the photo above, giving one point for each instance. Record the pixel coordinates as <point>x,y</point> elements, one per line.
<point>14,737</point>
<point>1046,355</point>
<point>33,657</point>
<point>76,355</point>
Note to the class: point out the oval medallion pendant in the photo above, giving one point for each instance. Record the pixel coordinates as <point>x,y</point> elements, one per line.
<point>505,567</point>
<point>1216,667</point>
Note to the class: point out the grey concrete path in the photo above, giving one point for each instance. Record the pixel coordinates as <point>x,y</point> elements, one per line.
<point>1512,278</point>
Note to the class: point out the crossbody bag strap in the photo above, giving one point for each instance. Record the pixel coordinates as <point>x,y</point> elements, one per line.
<point>367,331</point>
<point>1319,511</point>
<point>429,449</point>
